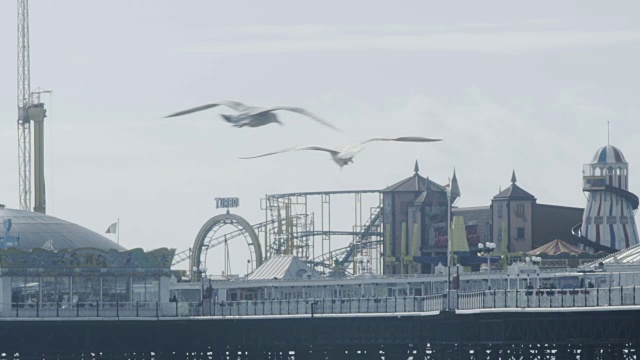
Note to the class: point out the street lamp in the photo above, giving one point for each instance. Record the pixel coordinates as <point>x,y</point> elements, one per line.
<point>449,236</point>
<point>486,249</point>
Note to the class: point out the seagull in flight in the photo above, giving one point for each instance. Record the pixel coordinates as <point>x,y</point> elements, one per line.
<point>252,116</point>
<point>345,155</point>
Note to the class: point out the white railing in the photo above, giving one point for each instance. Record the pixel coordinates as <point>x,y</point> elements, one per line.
<point>401,304</point>
<point>549,298</point>
<point>524,298</point>
<point>94,309</point>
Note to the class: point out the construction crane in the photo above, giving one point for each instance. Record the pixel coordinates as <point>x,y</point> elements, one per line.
<point>29,109</point>
<point>24,98</point>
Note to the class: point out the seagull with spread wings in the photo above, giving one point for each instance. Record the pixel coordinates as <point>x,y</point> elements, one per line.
<point>345,155</point>
<point>253,116</point>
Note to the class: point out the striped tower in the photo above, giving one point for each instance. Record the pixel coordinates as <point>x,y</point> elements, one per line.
<point>608,218</point>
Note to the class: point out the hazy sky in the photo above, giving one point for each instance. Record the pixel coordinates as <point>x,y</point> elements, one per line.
<point>508,86</point>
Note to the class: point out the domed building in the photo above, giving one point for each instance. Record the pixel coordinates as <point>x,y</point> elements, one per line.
<point>36,230</point>
<point>49,265</point>
<point>608,218</point>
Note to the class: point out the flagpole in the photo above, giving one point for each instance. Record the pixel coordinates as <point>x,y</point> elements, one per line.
<point>449,236</point>
<point>118,232</point>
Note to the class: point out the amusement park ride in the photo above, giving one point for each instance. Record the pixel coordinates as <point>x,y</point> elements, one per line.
<point>309,225</point>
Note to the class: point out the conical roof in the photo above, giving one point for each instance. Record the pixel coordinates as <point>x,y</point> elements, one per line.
<point>514,192</point>
<point>455,187</point>
<point>556,247</point>
<point>459,235</point>
<point>414,183</point>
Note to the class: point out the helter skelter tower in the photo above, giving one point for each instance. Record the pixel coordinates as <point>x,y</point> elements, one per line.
<point>608,218</point>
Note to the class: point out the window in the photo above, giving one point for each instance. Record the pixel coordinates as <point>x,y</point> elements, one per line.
<point>499,210</point>
<point>56,289</point>
<point>25,289</point>
<point>146,289</point>
<point>116,289</point>
<point>520,233</point>
<point>86,289</point>
<point>520,210</point>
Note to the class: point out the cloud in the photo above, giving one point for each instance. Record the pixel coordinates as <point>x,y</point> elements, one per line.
<point>492,42</point>
<point>371,29</point>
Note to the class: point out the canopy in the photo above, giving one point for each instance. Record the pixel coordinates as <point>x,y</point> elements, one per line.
<point>556,247</point>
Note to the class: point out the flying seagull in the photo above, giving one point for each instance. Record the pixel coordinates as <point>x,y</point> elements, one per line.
<point>252,116</point>
<point>345,156</point>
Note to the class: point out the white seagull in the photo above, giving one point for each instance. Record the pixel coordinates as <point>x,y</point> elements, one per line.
<point>345,155</point>
<point>252,116</point>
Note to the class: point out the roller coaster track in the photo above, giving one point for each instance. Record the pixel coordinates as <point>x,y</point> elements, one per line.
<point>185,254</point>
<point>363,241</point>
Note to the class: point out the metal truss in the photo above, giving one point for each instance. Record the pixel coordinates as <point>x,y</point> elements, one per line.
<point>302,224</point>
<point>24,94</point>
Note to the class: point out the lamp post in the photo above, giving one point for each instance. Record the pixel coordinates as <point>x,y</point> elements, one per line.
<point>449,236</point>
<point>486,249</point>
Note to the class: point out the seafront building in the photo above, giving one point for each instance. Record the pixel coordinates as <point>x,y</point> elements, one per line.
<point>55,263</point>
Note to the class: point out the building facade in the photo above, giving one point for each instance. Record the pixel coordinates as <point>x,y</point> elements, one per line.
<point>55,264</point>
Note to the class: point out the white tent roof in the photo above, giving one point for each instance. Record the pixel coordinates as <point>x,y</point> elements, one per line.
<point>283,267</point>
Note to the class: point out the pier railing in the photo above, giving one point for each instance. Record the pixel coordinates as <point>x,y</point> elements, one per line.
<point>402,304</point>
<point>549,298</point>
<point>505,298</point>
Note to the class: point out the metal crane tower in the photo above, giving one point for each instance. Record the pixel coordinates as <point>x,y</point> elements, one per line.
<point>24,94</point>
<point>29,109</point>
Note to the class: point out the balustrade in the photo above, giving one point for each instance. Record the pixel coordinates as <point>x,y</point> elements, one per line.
<point>488,299</point>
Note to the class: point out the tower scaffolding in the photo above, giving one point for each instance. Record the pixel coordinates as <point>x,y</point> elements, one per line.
<point>335,246</point>
<point>24,94</point>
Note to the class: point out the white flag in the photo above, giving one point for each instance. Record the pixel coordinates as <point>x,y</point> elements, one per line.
<point>112,229</point>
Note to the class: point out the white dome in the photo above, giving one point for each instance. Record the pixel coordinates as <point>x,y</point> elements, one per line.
<point>608,155</point>
<point>36,229</point>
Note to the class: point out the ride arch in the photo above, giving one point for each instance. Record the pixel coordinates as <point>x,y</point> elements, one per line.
<point>206,240</point>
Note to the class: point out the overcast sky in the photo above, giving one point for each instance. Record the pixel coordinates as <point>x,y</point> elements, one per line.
<point>508,86</point>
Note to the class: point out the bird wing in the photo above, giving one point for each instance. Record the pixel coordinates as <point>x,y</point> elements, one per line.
<point>299,148</point>
<point>235,105</point>
<point>295,110</point>
<point>401,138</point>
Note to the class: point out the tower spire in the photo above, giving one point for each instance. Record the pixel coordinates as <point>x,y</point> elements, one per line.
<point>513,177</point>
<point>455,188</point>
<point>416,168</point>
